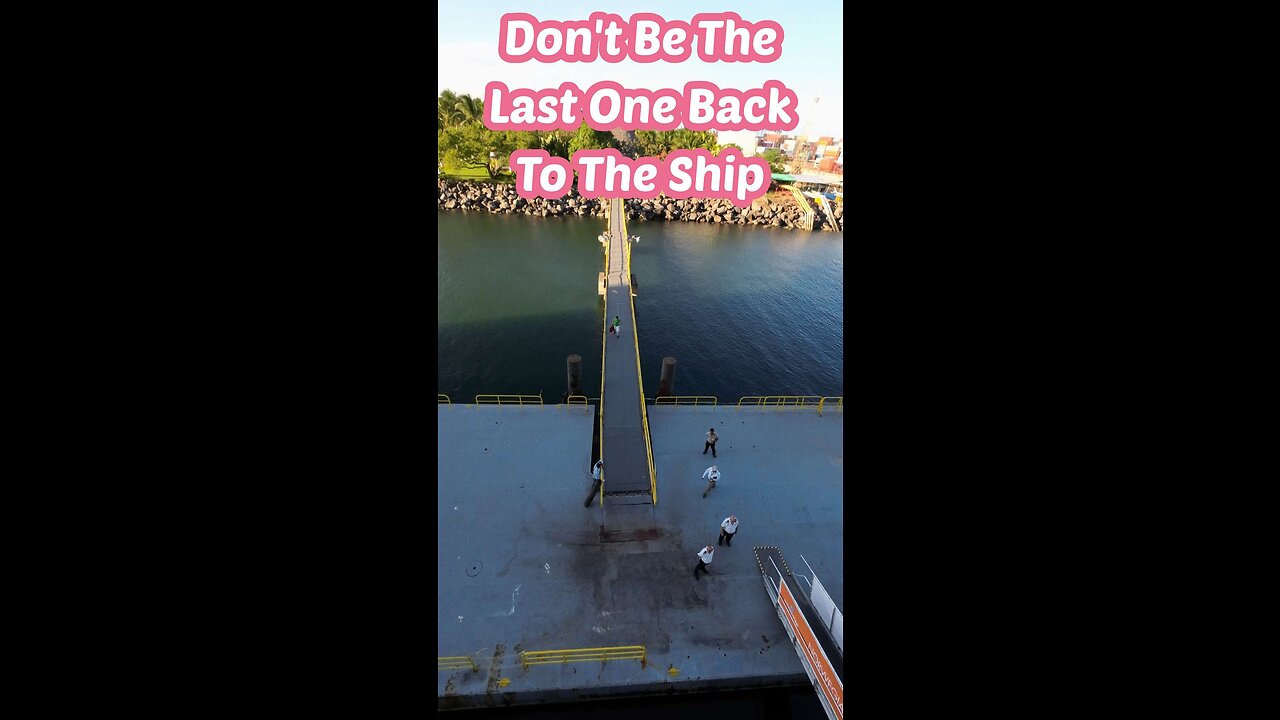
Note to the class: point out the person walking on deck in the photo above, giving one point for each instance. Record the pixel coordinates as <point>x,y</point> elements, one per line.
<point>712,437</point>
<point>704,559</point>
<point>711,475</point>
<point>596,473</point>
<point>727,529</point>
<point>617,325</point>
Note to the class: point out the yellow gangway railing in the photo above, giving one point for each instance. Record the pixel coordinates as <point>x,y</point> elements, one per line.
<point>635,336</point>
<point>687,400</point>
<point>576,400</point>
<point>549,657</point>
<point>779,401</point>
<point>807,224</point>
<point>837,402</point>
<point>442,399</point>
<point>626,238</point>
<point>457,662</point>
<point>826,210</point>
<point>508,399</point>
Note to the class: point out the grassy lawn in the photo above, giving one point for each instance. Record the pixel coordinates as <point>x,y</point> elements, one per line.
<point>476,175</point>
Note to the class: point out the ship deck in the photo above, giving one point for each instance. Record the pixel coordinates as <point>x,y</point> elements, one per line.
<point>523,566</point>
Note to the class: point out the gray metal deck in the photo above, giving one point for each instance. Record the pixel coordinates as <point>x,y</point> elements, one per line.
<point>522,566</point>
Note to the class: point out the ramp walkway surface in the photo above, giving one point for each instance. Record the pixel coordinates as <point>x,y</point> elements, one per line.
<point>772,564</point>
<point>626,465</point>
<point>826,209</point>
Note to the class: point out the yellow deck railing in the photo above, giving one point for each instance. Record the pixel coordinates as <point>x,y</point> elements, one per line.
<point>457,662</point>
<point>508,399</point>
<point>780,401</point>
<point>576,400</point>
<point>442,399</point>
<point>687,400</point>
<point>635,337</point>
<point>549,657</point>
<point>829,402</point>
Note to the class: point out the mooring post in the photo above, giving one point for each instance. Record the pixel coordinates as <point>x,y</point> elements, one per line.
<point>574,364</point>
<point>667,383</point>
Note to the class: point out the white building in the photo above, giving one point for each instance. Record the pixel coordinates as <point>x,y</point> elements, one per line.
<point>745,139</point>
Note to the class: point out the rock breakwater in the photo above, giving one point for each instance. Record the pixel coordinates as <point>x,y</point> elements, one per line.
<point>773,210</point>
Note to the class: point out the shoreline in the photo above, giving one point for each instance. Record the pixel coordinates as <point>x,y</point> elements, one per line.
<point>773,210</point>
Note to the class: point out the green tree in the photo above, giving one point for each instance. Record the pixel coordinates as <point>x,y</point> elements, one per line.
<point>446,110</point>
<point>527,139</point>
<point>468,146</point>
<point>556,143</point>
<point>654,143</point>
<point>587,139</point>
<point>732,145</point>
<point>774,157</point>
<point>470,110</point>
<point>686,139</point>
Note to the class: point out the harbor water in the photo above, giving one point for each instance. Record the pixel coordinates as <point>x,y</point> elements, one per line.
<point>744,310</point>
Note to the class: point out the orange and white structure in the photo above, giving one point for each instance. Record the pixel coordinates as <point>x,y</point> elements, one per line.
<point>816,634</point>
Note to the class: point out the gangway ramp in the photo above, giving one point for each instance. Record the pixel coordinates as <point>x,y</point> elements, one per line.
<point>806,220</point>
<point>822,659</point>
<point>826,208</point>
<point>627,475</point>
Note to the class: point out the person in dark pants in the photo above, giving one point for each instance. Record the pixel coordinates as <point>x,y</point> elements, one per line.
<point>711,476</point>
<point>727,529</point>
<point>597,473</point>
<point>704,559</point>
<point>712,437</point>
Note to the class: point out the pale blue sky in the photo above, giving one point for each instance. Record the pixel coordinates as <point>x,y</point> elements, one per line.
<point>811,62</point>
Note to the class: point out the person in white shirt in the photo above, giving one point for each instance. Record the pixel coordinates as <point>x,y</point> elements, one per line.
<point>704,559</point>
<point>711,442</point>
<point>596,471</point>
<point>727,529</point>
<point>711,475</point>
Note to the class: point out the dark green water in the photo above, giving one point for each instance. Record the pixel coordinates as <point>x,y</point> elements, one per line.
<point>745,311</point>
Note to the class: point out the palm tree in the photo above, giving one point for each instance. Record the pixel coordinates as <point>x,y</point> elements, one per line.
<point>447,110</point>
<point>556,143</point>
<point>470,110</point>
